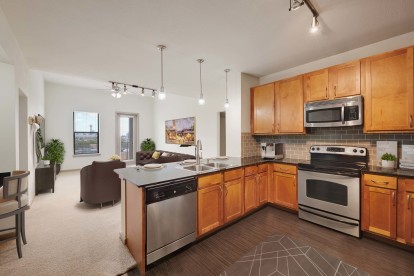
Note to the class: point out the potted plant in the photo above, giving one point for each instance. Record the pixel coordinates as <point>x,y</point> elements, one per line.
<point>46,160</point>
<point>147,145</point>
<point>388,160</point>
<point>55,151</point>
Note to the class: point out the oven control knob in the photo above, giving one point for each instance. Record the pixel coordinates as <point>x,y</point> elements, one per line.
<point>355,151</point>
<point>361,151</point>
<point>317,148</point>
<point>313,148</point>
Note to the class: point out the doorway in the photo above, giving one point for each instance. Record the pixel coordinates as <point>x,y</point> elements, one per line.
<point>222,133</point>
<point>126,136</point>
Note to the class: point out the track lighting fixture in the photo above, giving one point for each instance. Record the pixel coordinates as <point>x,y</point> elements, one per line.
<point>297,4</point>
<point>127,89</point>
<point>201,100</point>
<point>226,101</point>
<point>161,94</point>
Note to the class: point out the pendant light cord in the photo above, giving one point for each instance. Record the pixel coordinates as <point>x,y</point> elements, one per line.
<point>162,69</point>
<point>201,84</point>
<point>226,84</point>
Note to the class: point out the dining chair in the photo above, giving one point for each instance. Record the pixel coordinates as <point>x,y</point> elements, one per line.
<point>14,202</point>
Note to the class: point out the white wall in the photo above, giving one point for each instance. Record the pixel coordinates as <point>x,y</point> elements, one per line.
<point>207,118</point>
<point>372,49</point>
<point>62,100</point>
<point>24,81</point>
<point>8,107</point>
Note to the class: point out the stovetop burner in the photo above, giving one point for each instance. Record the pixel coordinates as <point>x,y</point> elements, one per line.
<point>343,160</point>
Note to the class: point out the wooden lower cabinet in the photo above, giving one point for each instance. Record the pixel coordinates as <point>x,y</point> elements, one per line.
<point>406,210</point>
<point>379,211</point>
<point>233,199</point>
<point>209,205</point>
<point>262,185</point>
<point>250,193</point>
<point>285,190</point>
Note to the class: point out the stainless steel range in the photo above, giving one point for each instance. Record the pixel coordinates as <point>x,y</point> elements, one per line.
<point>329,187</point>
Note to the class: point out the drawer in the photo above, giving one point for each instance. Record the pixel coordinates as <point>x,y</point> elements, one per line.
<point>233,174</point>
<point>210,180</point>
<point>283,168</point>
<point>381,181</point>
<point>409,185</point>
<point>262,168</point>
<point>251,170</point>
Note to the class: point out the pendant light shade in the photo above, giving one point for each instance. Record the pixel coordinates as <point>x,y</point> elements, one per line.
<point>161,94</point>
<point>226,102</point>
<point>201,100</point>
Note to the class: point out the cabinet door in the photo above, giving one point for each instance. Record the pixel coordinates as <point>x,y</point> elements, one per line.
<point>379,212</point>
<point>233,199</point>
<point>263,109</point>
<point>409,217</point>
<point>250,193</point>
<point>316,85</point>
<point>289,105</point>
<point>262,188</point>
<point>210,209</point>
<point>388,81</point>
<point>285,190</point>
<point>345,80</point>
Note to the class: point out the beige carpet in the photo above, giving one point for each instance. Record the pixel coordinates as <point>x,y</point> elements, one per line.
<point>66,237</point>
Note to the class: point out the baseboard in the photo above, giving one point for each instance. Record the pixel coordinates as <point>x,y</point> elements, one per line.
<point>122,237</point>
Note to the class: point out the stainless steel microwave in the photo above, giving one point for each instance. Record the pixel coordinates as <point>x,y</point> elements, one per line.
<point>334,113</point>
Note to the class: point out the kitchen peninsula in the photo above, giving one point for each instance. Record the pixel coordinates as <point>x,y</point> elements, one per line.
<point>225,192</point>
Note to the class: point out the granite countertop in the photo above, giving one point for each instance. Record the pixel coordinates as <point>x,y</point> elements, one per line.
<point>389,172</point>
<point>173,171</point>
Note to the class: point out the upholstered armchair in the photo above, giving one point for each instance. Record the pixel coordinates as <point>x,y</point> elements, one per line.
<point>99,182</point>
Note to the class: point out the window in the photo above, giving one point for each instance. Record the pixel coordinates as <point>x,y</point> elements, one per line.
<point>85,133</point>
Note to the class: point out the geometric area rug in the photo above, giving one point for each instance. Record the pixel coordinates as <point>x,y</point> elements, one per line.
<point>280,255</point>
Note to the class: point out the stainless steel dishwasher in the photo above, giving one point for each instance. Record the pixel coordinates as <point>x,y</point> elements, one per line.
<point>171,217</point>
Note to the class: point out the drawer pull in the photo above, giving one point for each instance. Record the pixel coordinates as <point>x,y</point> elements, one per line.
<point>393,198</point>
<point>408,201</point>
<point>379,182</point>
<point>283,169</point>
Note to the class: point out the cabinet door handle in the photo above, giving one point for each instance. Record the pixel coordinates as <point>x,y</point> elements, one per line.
<point>326,89</point>
<point>411,120</point>
<point>393,198</point>
<point>221,191</point>
<point>379,182</point>
<point>408,201</point>
<point>278,128</point>
<point>335,90</point>
<point>225,190</point>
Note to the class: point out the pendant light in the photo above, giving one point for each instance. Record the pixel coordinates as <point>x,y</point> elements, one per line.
<point>226,102</point>
<point>201,100</point>
<point>161,94</point>
<point>315,25</point>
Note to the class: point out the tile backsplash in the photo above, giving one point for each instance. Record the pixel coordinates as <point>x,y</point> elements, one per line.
<point>297,146</point>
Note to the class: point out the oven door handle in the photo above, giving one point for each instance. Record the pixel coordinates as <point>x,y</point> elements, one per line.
<point>343,114</point>
<point>337,220</point>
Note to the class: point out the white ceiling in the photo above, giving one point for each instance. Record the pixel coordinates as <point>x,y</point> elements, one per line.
<point>116,39</point>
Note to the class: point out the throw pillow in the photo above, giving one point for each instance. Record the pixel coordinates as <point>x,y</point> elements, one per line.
<point>165,154</point>
<point>156,155</point>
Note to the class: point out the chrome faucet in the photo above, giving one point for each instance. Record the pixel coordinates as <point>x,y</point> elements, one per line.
<point>199,147</point>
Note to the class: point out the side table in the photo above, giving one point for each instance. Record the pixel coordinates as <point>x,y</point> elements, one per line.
<point>45,177</point>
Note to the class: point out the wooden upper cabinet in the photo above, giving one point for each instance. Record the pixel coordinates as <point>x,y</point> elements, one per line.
<point>262,109</point>
<point>387,86</point>
<point>316,85</point>
<point>289,105</point>
<point>345,80</point>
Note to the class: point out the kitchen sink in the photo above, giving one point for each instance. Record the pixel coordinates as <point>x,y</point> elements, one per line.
<point>218,165</point>
<point>198,168</point>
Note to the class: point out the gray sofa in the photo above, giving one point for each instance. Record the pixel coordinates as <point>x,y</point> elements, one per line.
<point>145,157</point>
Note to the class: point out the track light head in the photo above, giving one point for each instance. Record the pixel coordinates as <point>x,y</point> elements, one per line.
<point>142,92</point>
<point>153,94</point>
<point>296,5</point>
<point>315,25</point>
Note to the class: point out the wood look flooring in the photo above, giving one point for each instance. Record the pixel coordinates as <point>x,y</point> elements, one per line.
<point>214,254</point>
